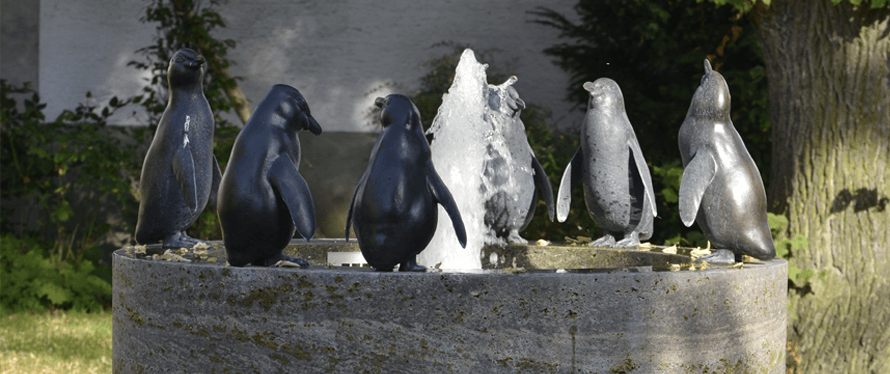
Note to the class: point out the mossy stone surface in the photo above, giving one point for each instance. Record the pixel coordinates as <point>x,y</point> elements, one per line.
<point>203,316</point>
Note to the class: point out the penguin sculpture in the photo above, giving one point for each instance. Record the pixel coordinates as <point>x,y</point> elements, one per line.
<point>180,174</point>
<point>617,185</point>
<point>393,209</point>
<point>721,188</point>
<point>511,205</point>
<point>263,199</point>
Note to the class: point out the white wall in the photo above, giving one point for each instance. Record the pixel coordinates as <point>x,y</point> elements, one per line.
<point>336,52</point>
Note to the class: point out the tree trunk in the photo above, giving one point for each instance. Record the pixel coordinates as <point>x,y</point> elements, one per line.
<point>829,90</point>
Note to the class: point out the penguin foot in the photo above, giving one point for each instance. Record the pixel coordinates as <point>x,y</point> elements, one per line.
<point>492,239</point>
<point>283,261</point>
<point>180,239</point>
<point>515,238</point>
<point>631,240</point>
<point>722,257</point>
<point>607,240</point>
<point>411,265</point>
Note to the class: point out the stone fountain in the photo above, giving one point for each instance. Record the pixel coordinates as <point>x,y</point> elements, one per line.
<point>537,307</point>
<point>621,311</point>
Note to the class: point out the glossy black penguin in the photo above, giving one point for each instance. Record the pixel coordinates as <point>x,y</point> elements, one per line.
<point>263,199</point>
<point>617,185</point>
<point>721,188</point>
<point>180,174</point>
<point>393,209</point>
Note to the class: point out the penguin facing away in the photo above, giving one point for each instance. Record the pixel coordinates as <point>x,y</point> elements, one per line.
<point>180,174</point>
<point>393,208</point>
<point>721,188</point>
<point>511,207</point>
<point>617,184</point>
<point>263,199</point>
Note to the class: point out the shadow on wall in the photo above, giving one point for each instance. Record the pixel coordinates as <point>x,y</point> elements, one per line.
<point>863,199</point>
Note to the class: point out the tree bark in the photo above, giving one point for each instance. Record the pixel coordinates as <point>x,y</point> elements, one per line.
<point>829,91</point>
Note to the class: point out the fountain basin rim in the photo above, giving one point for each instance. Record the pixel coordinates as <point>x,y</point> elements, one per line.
<point>132,254</point>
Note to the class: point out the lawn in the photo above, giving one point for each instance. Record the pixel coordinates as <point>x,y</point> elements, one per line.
<point>55,342</point>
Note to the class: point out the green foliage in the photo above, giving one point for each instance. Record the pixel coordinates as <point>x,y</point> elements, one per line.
<point>184,24</point>
<point>654,50</point>
<point>798,279</point>
<point>75,163</point>
<point>31,281</point>
<point>741,5</point>
<point>874,3</point>
<point>746,5</point>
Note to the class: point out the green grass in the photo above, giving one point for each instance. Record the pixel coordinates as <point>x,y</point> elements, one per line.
<point>56,342</point>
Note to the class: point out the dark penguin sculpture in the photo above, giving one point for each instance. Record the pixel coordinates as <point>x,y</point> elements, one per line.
<point>180,174</point>
<point>263,198</point>
<point>394,208</point>
<point>511,208</point>
<point>617,185</point>
<point>721,188</point>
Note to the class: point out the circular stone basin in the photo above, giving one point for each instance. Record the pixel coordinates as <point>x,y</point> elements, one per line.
<point>585,310</point>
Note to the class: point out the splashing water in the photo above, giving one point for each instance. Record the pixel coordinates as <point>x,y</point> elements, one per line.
<point>472,156</point>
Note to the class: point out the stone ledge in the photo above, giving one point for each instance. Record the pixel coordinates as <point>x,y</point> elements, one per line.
<point>205,317</point>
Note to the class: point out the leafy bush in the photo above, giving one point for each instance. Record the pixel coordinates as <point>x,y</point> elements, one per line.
<point>32,281</point>
<point>76,162</point>
<point>60,180</point>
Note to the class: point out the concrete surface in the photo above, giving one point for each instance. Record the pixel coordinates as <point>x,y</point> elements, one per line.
<point>207,317</point>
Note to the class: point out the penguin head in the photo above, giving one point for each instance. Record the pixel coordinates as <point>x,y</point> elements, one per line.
<point>290,107</point>
<point>711,98</point>
<point>186,68</point>
<point>398,109</point>
<point>604,94</point>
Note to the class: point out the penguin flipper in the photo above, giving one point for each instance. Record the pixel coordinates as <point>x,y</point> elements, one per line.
<point>543,183</point>
<point>184,172</point>
<point>697,175</point>
<point>570,177</point>
<point>643,170</point>
<point>214,184</point>
<point>358,186</point>
<point>442,196</point>
<point>287,182</point>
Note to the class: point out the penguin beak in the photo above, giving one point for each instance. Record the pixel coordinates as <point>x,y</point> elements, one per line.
<point>313,126</point>
<point>193,64</point>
